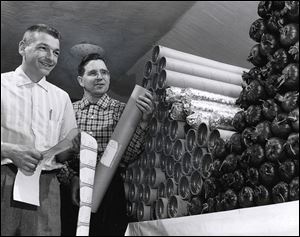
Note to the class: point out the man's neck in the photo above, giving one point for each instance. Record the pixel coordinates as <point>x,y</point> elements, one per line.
<point>92,99</point>
<point>31,75</point>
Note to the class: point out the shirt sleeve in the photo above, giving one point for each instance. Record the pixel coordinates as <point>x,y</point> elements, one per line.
<point>70,167</point>
<point>69,120</point>
<point>136,145</point>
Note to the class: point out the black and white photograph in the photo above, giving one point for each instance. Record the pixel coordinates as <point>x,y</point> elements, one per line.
<point>149,118</point>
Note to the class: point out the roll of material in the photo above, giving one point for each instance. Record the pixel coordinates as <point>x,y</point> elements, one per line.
<point>160,51</point>
<point>116,147</point>
<point>220,120</point>
<point>208,72</point>
<point>171,78</point>
<point>195,105</point>
<point>177,112</point>
<point>88,158</point>
<point>177,94</point>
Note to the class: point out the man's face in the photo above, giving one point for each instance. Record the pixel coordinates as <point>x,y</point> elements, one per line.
<point>96,78</point>
<point>40,54</point>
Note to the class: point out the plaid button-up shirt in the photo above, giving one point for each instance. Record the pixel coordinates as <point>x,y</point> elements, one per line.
<point>100,120</point>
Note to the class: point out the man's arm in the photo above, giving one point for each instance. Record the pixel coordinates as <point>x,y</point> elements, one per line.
<point>23,157</point>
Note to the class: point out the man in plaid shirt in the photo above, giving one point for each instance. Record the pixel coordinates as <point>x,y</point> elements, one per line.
<point>98,114</point>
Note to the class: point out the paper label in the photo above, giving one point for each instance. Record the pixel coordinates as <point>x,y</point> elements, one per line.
<point>27,187</point>
<point>109,153</point>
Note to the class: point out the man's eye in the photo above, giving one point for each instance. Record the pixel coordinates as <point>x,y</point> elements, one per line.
<point>56,54</point>
<point>42,47</point>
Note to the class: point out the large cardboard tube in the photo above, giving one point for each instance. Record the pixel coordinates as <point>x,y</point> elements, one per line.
<point>171,78</point>
<point>177,172</point>
<point>160,51</point>
<point>116,147</point>
<point>161,208</point>
<point>186,162</point>
<point>184,187</point>
<point>199,70</point>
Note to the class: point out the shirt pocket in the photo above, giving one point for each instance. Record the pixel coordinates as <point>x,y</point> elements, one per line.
<point>53,131</point>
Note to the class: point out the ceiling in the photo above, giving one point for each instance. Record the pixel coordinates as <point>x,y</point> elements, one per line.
<point>127,31</point>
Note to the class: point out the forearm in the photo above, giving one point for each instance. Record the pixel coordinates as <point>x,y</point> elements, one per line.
<point>7,150</point>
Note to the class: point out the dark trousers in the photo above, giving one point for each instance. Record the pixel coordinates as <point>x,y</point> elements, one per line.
<point>22,219</point>
<point>110,219</point>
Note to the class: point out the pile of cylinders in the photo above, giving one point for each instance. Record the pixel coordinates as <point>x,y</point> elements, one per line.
<point>167,180</point>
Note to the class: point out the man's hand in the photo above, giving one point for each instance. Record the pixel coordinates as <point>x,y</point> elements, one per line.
<point>24,157</point>
<point>145,104</point>
<point>75,190</point>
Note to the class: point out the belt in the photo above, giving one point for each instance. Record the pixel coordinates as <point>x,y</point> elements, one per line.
<point>15,169</point>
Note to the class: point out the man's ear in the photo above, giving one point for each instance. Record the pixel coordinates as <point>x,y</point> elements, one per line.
<point>80,80</point>
<point>22,47</point>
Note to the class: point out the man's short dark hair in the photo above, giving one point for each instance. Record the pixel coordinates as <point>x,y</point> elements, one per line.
<point>44,28</point>
<point>86,59</point>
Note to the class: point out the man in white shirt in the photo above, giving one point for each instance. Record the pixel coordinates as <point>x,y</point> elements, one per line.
<point>35,115</point>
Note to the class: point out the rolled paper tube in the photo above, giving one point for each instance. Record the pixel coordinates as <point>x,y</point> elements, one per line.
<point>146,83</point>
<point>222,120</point>
<point>186,162</point>
<point>171,78</point>
<point>154,127</point>
<point>152,211</point>
<point>206,165</point>
<point>161,208</point>
<point>177,94</point>
<point>149,69</point>
<point>195,205</point>
<point>197,154</point>
<point>163,161</point>
<point>195,119</point>
<point>212,137</point>
<point>126,189</point>
<point>177,206</point>
<point>144,161</point>
<point>178,149</point>
<point>133,192</point>
<point>192,106</point>
<point>150,195</point>
<point>199,70</point>
<point>156,177</point>
<point>170,166</point>
<point>154,82</point>
<point>159,142</point>
<point>161,190</point>
<point>149,143</point>
<point>184,187</point>
<point>160,51</point>
<point>140,191</point>
<point>203,133</point>
<point>165,126</point>
<point>225,134</point>
<point>88,158</point>
<point>161,112</point>
<point>177,172</point>
<point>196,183</point>
<point>130,172</point>
<point>154,159</point>
<point>143,212</point>
<point>139,177</point>
<point>171,187</point>
<point>177,112</point>
<point>131,208</point>
<point>191,139</point>
<point>177,130</point>
<point>168,146</point>
<point>146,176</point>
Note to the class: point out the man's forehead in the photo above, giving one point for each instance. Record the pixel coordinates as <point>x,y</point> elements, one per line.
<point>41,37</point>
<point>95,64</point>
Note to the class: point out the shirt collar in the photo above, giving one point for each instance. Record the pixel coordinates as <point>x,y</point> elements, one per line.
<point>23,79</point>
<point>103,102</point>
